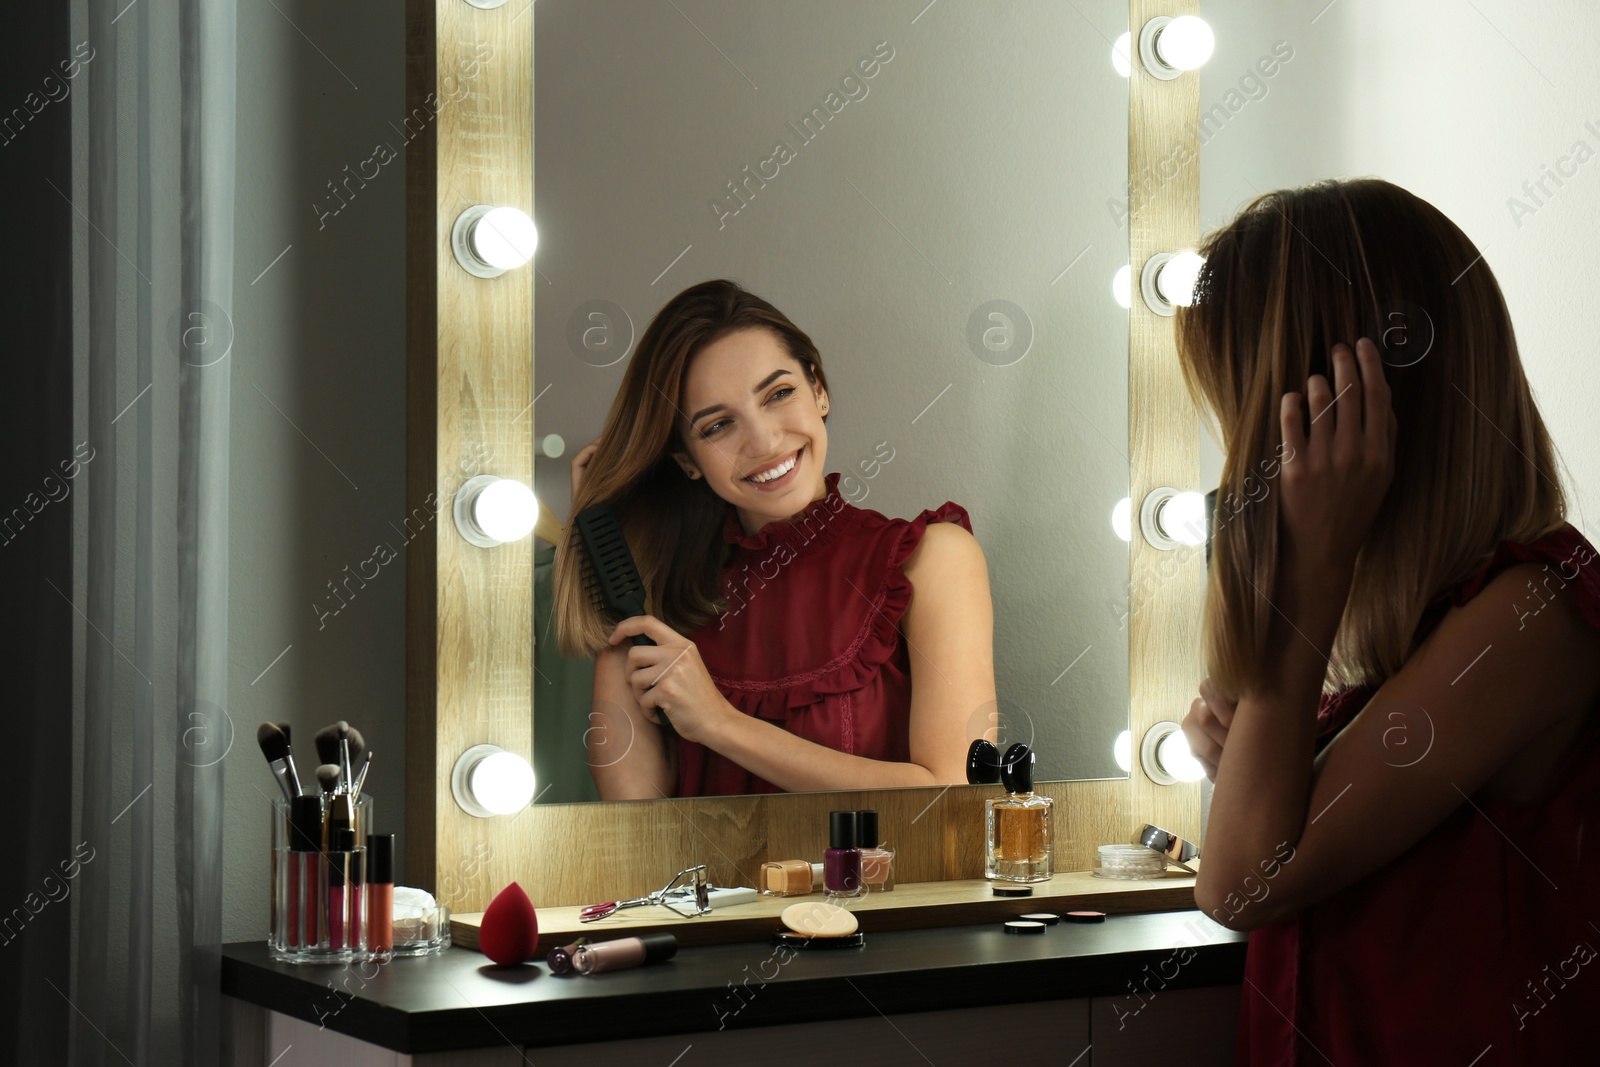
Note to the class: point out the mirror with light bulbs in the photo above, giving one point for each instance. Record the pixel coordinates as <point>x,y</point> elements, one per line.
<point>950,229</point>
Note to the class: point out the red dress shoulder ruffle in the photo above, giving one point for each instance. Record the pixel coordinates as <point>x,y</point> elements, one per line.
<point>811,640</point>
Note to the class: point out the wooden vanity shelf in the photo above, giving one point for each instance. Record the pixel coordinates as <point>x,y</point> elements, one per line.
<point>912,906</point>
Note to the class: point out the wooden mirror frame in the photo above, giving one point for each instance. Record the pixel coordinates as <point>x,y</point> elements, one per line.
<point>469,611</point>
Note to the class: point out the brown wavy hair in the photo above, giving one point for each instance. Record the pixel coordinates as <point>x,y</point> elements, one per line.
<point>1298,271</point>
<point>673,524</point>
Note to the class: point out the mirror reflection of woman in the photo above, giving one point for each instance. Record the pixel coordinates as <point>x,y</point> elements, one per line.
<point>1404,647</point>
<point>801,643</point>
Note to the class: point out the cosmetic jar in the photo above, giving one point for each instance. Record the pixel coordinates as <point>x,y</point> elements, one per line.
<point>421,925</point>
<point>317,894</point>
<point>790,878</point>
<point>1127,862</point>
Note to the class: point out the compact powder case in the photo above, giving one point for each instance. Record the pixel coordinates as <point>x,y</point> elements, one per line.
<point>789,939</point>
<point>1049,918</point>
<point>1024,926</point>
<point>1013,890</point>
<point>1085,916</point>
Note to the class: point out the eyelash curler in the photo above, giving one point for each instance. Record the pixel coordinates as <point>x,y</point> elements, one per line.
<point>696,892</point>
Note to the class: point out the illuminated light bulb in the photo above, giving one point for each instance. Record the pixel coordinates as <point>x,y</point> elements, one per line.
<point>488,781</point>
<point>1122,751</point>
<point>1186,42</point>
<point>491,511</point>
<point>1177,277</point>
<point>1173,753</point>
<point>1183,518</point>
<point>488,241</point>
<point>1122,286</point>
<point>1121,54</point>
<point>1122,522</point>
<point>1168,46</point>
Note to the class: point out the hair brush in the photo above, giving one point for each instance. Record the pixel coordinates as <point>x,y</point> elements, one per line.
<point>609,572</point>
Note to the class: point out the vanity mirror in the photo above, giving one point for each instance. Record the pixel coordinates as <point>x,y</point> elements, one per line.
<point>937,196</point>
<point>950,205</point>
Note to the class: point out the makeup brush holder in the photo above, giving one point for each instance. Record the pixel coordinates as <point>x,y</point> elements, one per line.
<point>319,899</point>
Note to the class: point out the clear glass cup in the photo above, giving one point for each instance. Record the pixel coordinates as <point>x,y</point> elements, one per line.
<point>318,894</point>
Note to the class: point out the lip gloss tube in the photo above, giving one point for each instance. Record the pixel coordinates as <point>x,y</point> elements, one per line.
<point>380,893</point>
<point>624,952</point>
<point>341,846</point>
<point>305,870</point>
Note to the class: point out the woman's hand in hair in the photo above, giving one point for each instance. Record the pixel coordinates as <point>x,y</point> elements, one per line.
<point>671,675</point>
<point>1341,463</point>
<point>1206,727</point>
<point>580,463</point>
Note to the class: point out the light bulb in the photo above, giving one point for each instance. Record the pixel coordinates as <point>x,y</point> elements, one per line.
<point>1122,522</point>
<point>1120,53</point>
<point>505,238</point>
<point>502,782</point>
<point>1122,286</point>
<point>1122,751</point>
<point>488,781</point>
<point>488,241</point>
<point>1177,278</point>
<point>491,511</point>
<point>1186,42</point>
<point>1183,518</point>
<point>506,510</point>
<point>1176,759</point>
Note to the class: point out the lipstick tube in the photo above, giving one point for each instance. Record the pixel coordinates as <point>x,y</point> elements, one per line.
<point>341,857</point>
<point>305,872</point>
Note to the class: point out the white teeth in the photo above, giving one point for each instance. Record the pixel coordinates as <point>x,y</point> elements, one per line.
<point>776,472</point>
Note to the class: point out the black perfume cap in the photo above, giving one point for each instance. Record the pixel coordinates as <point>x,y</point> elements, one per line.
<point>1016,773</point>
<point>983,763</point>
<point>844,830</point>
<point>867,828</point>
<point>380,859</point>
<point>305,824</point>
<point>659,947</point>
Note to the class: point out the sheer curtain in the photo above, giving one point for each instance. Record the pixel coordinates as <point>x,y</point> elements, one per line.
<point>153,191</point>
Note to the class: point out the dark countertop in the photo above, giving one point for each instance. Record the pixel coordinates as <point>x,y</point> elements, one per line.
<point>459,999</point>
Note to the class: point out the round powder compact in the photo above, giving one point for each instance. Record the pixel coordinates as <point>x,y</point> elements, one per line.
<point>1085,916</point>
<point>1013,890</point>
<point>1024,926</point>
<point>801,941</point>
<point>1049,918</point>
<point>813,918</point>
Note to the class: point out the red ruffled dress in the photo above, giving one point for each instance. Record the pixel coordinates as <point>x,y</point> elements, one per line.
<point>1478,945</point>
<point>811,637</point>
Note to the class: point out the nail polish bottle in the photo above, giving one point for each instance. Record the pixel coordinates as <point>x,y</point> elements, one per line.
<point>1017,826</point>
<point>791,878</point>
<point>877,862</point>
<point>841,863</point>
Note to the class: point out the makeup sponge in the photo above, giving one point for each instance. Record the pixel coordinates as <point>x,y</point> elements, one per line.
<point>510,929</point>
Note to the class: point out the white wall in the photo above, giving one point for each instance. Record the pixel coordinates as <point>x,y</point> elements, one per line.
<point>318,410</point>
<point>1461,104</point>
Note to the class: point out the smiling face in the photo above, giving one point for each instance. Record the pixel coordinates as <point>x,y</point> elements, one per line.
<point>753,414</point>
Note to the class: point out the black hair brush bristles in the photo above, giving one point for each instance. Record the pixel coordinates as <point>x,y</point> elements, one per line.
<point>609,572</point>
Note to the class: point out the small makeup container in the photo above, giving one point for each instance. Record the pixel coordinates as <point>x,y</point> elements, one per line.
<point>877,862</point>
<point>1129,862</point>
<point>842,861</point>
<point>624,952</point>
<point>791,878</point>
<point>379,915</point>
<point>421,924</point>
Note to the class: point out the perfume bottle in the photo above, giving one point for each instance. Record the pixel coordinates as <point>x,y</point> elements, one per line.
<point>877,862</point>
<point>1017,826</point>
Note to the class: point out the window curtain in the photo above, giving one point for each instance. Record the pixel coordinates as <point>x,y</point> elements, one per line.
<point>153,194</point>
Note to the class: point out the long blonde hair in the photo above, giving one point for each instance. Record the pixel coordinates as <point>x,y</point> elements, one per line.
<point>673,525</point>
<point>1298,271</point>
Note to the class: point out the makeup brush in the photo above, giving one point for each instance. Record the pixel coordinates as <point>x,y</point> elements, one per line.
<point>275,746</point>
<point>345,768</point>
<point>327,742</point>
<point>361,775</point>
<point>338,812</point>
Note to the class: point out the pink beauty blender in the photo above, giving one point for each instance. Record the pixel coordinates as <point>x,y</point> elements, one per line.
<point>510,929</point>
